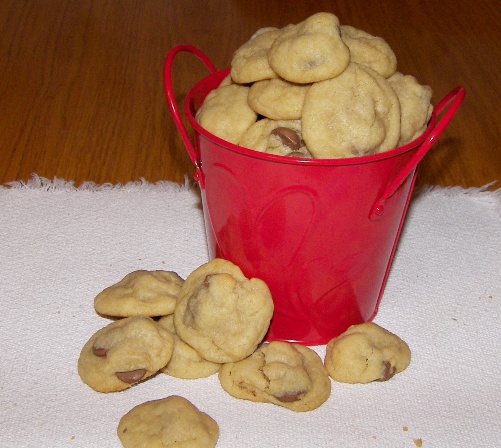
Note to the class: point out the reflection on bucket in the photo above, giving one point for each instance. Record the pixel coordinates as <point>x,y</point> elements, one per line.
<point>320,233</point>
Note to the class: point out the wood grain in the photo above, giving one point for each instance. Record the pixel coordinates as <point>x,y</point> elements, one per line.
<point>81,89</point>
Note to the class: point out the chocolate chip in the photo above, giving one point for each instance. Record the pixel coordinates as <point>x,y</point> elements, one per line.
<point>207,280</point>
<point>101,352</point>
<point>288,137</point>
<point>289,397</point>
<point>295,154</point>
<point>388,371</point>
<point>131,377</point>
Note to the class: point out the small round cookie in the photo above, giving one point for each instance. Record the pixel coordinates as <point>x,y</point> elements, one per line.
<point>226,113</point>
<point>140,293</point>
<point>365,353</point>
<point>277,99</point>
<point>185,362</point>
<point>310,51</point>
<point>415,103</point>
<point>167,423</point>
<point>282,137</point>
<point>369,50</point>
<point>353,114</point>
<point>123,353</point>
<point>222,314</point>
<point>250,61</point>
<point>281,373</point>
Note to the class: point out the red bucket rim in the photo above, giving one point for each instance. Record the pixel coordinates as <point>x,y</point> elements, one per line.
<point>355,160</point>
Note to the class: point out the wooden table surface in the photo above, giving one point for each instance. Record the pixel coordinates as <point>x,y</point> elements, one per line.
<point>81,88</point>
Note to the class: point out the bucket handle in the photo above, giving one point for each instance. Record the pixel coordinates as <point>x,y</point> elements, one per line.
<point>450,103</point>
<point>171,101</point>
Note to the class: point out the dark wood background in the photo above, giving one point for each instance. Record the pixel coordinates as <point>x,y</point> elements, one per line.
<point>81,89</point>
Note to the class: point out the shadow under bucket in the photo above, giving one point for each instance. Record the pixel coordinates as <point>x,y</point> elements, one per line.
<point>320,232</point>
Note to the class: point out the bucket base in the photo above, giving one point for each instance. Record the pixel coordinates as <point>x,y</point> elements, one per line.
<point>321,328</point>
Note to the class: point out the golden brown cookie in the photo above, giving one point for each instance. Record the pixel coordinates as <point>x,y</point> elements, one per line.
<point>277,99</point>
<point>140,293</point>
<point>365,353</point>
<point>415,103</point>
<point>279,137</point>
<point>222,314</point>
<point>284,374</point>
<point>369,50</point>
<point>124,353</point>
<point>185,362</point>
<point>310,51</point>
<point>353,114</point>
<point>167,423</point>
<point>250,61</point>
<point>226,113</point>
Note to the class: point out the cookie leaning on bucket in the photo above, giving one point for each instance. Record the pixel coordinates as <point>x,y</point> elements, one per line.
<point>222,314</point>
<point>169,422</point>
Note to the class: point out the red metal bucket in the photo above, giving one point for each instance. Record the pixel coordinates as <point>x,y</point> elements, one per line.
<point>320,233</point>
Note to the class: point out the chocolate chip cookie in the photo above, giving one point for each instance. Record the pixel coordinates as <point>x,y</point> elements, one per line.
<point>284,374</point>
<point>415,105</point>
<point>369,50</point>
<point>277,99</point>
<point>140,293</point>
<point>124,353</point>
<point>365,353</point>
<point>222,314</point>
<point>185,362</point>
<point>310,51</point>
<point>279,137</point>
<point>226,113</point>
<point>168,422</point>
<point>354,114</point>
<point>250,61</point>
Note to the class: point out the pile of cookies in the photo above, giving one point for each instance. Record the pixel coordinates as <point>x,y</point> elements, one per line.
<point>316,89</point>
<point>215,321</point>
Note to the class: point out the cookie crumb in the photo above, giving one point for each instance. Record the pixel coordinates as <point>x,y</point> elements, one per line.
<point>405,429</point>
<point>418,442</point>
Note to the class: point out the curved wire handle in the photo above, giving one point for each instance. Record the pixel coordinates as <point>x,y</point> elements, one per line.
<point>451,101</point>
<point>171,100</point>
